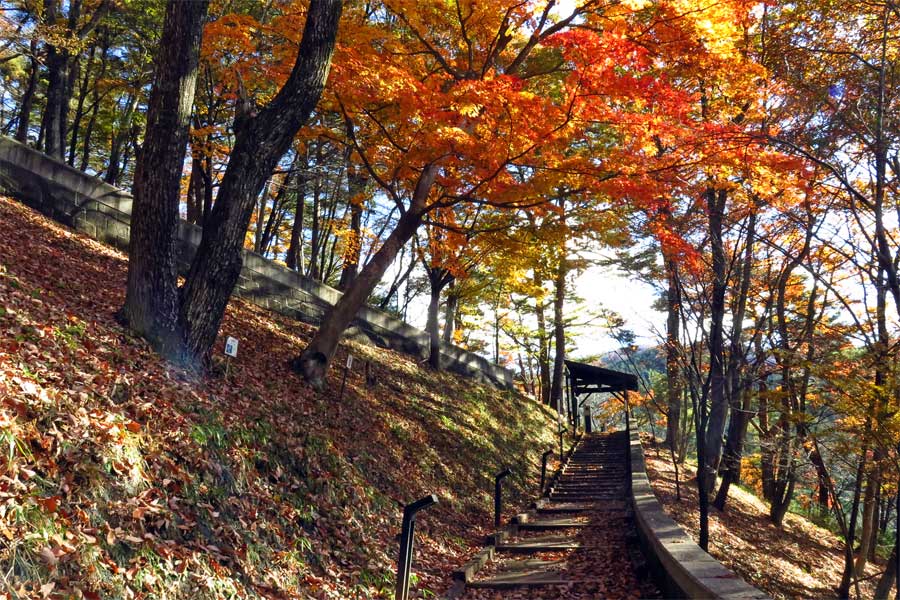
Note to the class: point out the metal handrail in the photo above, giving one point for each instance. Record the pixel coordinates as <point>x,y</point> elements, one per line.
<point>544,457</point>
<point>407,534</point>
<point>561,432</point>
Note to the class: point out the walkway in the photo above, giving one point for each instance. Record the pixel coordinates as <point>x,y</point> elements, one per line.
<point>580,542</point>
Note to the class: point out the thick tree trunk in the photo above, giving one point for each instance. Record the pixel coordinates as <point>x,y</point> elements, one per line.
<point>718,401</point>
<point>886,582</point>
<point>27,104</point>
<point>316,357</point>
<point>784,492</point>
<point>56,107</point>
<point>151,302</point>
<point>260,143</point>
<point>543,345</point>
<point>559,335</point>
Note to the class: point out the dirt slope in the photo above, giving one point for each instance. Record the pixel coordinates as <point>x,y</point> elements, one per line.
<point>121,477</point>
<point>799,560</point>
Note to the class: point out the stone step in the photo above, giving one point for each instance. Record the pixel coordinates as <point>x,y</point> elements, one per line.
<point>596,483</point>
<point>539,544</point>
<point>585,499</point>
<point>523,573</point>
<point>578,485</point>
<point>508,581</point>
<point>567,507</point>
<point>548,524</point>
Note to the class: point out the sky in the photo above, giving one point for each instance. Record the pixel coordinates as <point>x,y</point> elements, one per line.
<point>630,298</point>
<point>598,287</point>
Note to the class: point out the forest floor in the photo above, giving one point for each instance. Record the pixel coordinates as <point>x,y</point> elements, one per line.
<point>797,561</point>
<point>123,477</point>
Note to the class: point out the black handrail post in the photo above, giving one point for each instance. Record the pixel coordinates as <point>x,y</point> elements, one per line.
<point>561,432</point>
<point>627,413</point>
<point>497,503</point>
<point>407,533</point>
<point>627,433</point>
<point>544,468</point>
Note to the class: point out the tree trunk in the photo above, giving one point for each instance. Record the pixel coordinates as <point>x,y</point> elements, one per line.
<point>886,582</point>
<point>450,314</point>
<point>95,102</point>
<point>718,402</point>
<point>850,539</point>
<point>737,397</point>
<point>259,145</point>
<point>261,216</point>
<point>437,278</point>
<point>119,139</point>
<point>294,259</point>
<point>734,447</point>
<point>559,335</point>
<point>151,302</point>
<point>876,520</point>
<point>315,233</point>
<point>869,534</point>
<point>822,483</point>
<point>399,280</point>
<point>195,192</point>
<point>315,359</point>
<point>356,187</point>
<point>79,107</point>
<point>543,343</point>
<point>56,107</point>
<point>673,339</point>
<point>28,97</point>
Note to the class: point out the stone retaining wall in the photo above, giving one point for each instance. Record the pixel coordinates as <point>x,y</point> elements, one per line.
<point>682,568</point>
<point>89,205</point>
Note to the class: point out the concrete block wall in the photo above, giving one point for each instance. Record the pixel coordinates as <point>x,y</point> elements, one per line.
<point>102,211</point>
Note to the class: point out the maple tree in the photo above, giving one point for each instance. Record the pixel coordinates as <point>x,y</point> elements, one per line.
<point>262,139</point>
<point>475,154</point>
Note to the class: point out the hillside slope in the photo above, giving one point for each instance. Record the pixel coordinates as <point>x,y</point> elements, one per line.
<point>798,560</point>
<point>122,477</point>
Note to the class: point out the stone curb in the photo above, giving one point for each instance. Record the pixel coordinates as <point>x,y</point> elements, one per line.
<point>681,567</point>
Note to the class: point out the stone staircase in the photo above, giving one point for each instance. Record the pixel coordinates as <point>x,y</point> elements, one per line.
<point>578,541</point>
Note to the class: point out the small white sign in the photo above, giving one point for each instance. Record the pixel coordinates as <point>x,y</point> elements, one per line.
<point>349,361</point>
<point>231,345</point>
